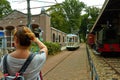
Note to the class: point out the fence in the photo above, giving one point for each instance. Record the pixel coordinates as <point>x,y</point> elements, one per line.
<point>94,75</point>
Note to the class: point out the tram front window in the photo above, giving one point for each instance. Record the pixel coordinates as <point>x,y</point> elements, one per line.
<point>70,39</point>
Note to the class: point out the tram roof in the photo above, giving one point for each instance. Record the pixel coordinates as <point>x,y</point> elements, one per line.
<point>110,10</point>
<point>71,35</point>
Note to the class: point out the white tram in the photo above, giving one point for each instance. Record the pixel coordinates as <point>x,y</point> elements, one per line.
<point>72,41</point>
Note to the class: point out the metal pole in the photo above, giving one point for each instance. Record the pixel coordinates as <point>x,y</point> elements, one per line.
<point>29,14</point>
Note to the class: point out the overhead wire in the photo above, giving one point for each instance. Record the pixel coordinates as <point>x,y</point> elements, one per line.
<point>34,1</point>
<point>54,3</point>
<point>42,1</point>
<point>36,7</point>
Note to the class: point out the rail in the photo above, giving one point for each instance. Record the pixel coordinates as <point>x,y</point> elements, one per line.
<point>93,73</point>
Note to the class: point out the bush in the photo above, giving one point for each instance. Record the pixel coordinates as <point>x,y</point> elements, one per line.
<point>53,48</point>
<point>34,48</point>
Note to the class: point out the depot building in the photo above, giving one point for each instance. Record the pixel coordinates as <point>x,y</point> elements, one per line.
<point>40,22</point>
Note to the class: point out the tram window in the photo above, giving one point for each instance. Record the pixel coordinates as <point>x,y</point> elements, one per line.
<point>70,39</point>
<point>75,39</point>
<point>59,38</point>
<point>63,38</point>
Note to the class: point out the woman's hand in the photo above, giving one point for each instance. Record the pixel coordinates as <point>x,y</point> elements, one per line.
<point>35,40</point>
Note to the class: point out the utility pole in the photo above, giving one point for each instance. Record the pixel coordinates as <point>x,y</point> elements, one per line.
<point>28,14</point>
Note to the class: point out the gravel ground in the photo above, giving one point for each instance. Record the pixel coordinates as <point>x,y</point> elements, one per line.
<point>104,71</point>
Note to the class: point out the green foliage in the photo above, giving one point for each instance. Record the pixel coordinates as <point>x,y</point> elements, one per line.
<point>5,8</point>
<point>34,47</point>
<point>67,15</point>
<point>83,28</point>
<point>93,12</point>
<point>88,23</point>
<point>73,9</point>
<point>58,20</point>
<point>53,48</point>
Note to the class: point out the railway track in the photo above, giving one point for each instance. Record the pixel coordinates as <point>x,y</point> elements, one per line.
<point>114,64</point>
<point>59,62</point>
<point>108,68</point>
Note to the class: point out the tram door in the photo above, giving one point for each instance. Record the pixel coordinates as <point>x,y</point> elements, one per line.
<point>2,43</point>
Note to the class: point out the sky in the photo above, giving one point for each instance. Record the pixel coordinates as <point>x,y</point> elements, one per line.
<point>21,5</point>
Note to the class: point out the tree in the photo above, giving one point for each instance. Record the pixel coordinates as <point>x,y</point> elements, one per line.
<point>93,12</point>
<point>67,15</point>
<point>83,28</point>
<point>57,17</point>
<point>86,22</point>
<point>72,10</point>
<point>5,8</point>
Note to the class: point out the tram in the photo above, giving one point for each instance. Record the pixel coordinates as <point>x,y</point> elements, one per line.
<point>91,39</point>
<point>72,41</point>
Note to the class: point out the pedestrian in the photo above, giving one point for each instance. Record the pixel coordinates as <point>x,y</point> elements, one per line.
<point>23,38</point>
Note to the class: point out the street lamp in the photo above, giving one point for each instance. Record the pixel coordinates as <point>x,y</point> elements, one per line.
<point>89,17</point>
<point>87,31</point>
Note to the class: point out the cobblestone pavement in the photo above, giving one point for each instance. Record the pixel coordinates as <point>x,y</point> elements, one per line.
<point>73,67</point>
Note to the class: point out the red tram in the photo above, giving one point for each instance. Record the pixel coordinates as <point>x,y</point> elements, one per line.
<point>91,40</point>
